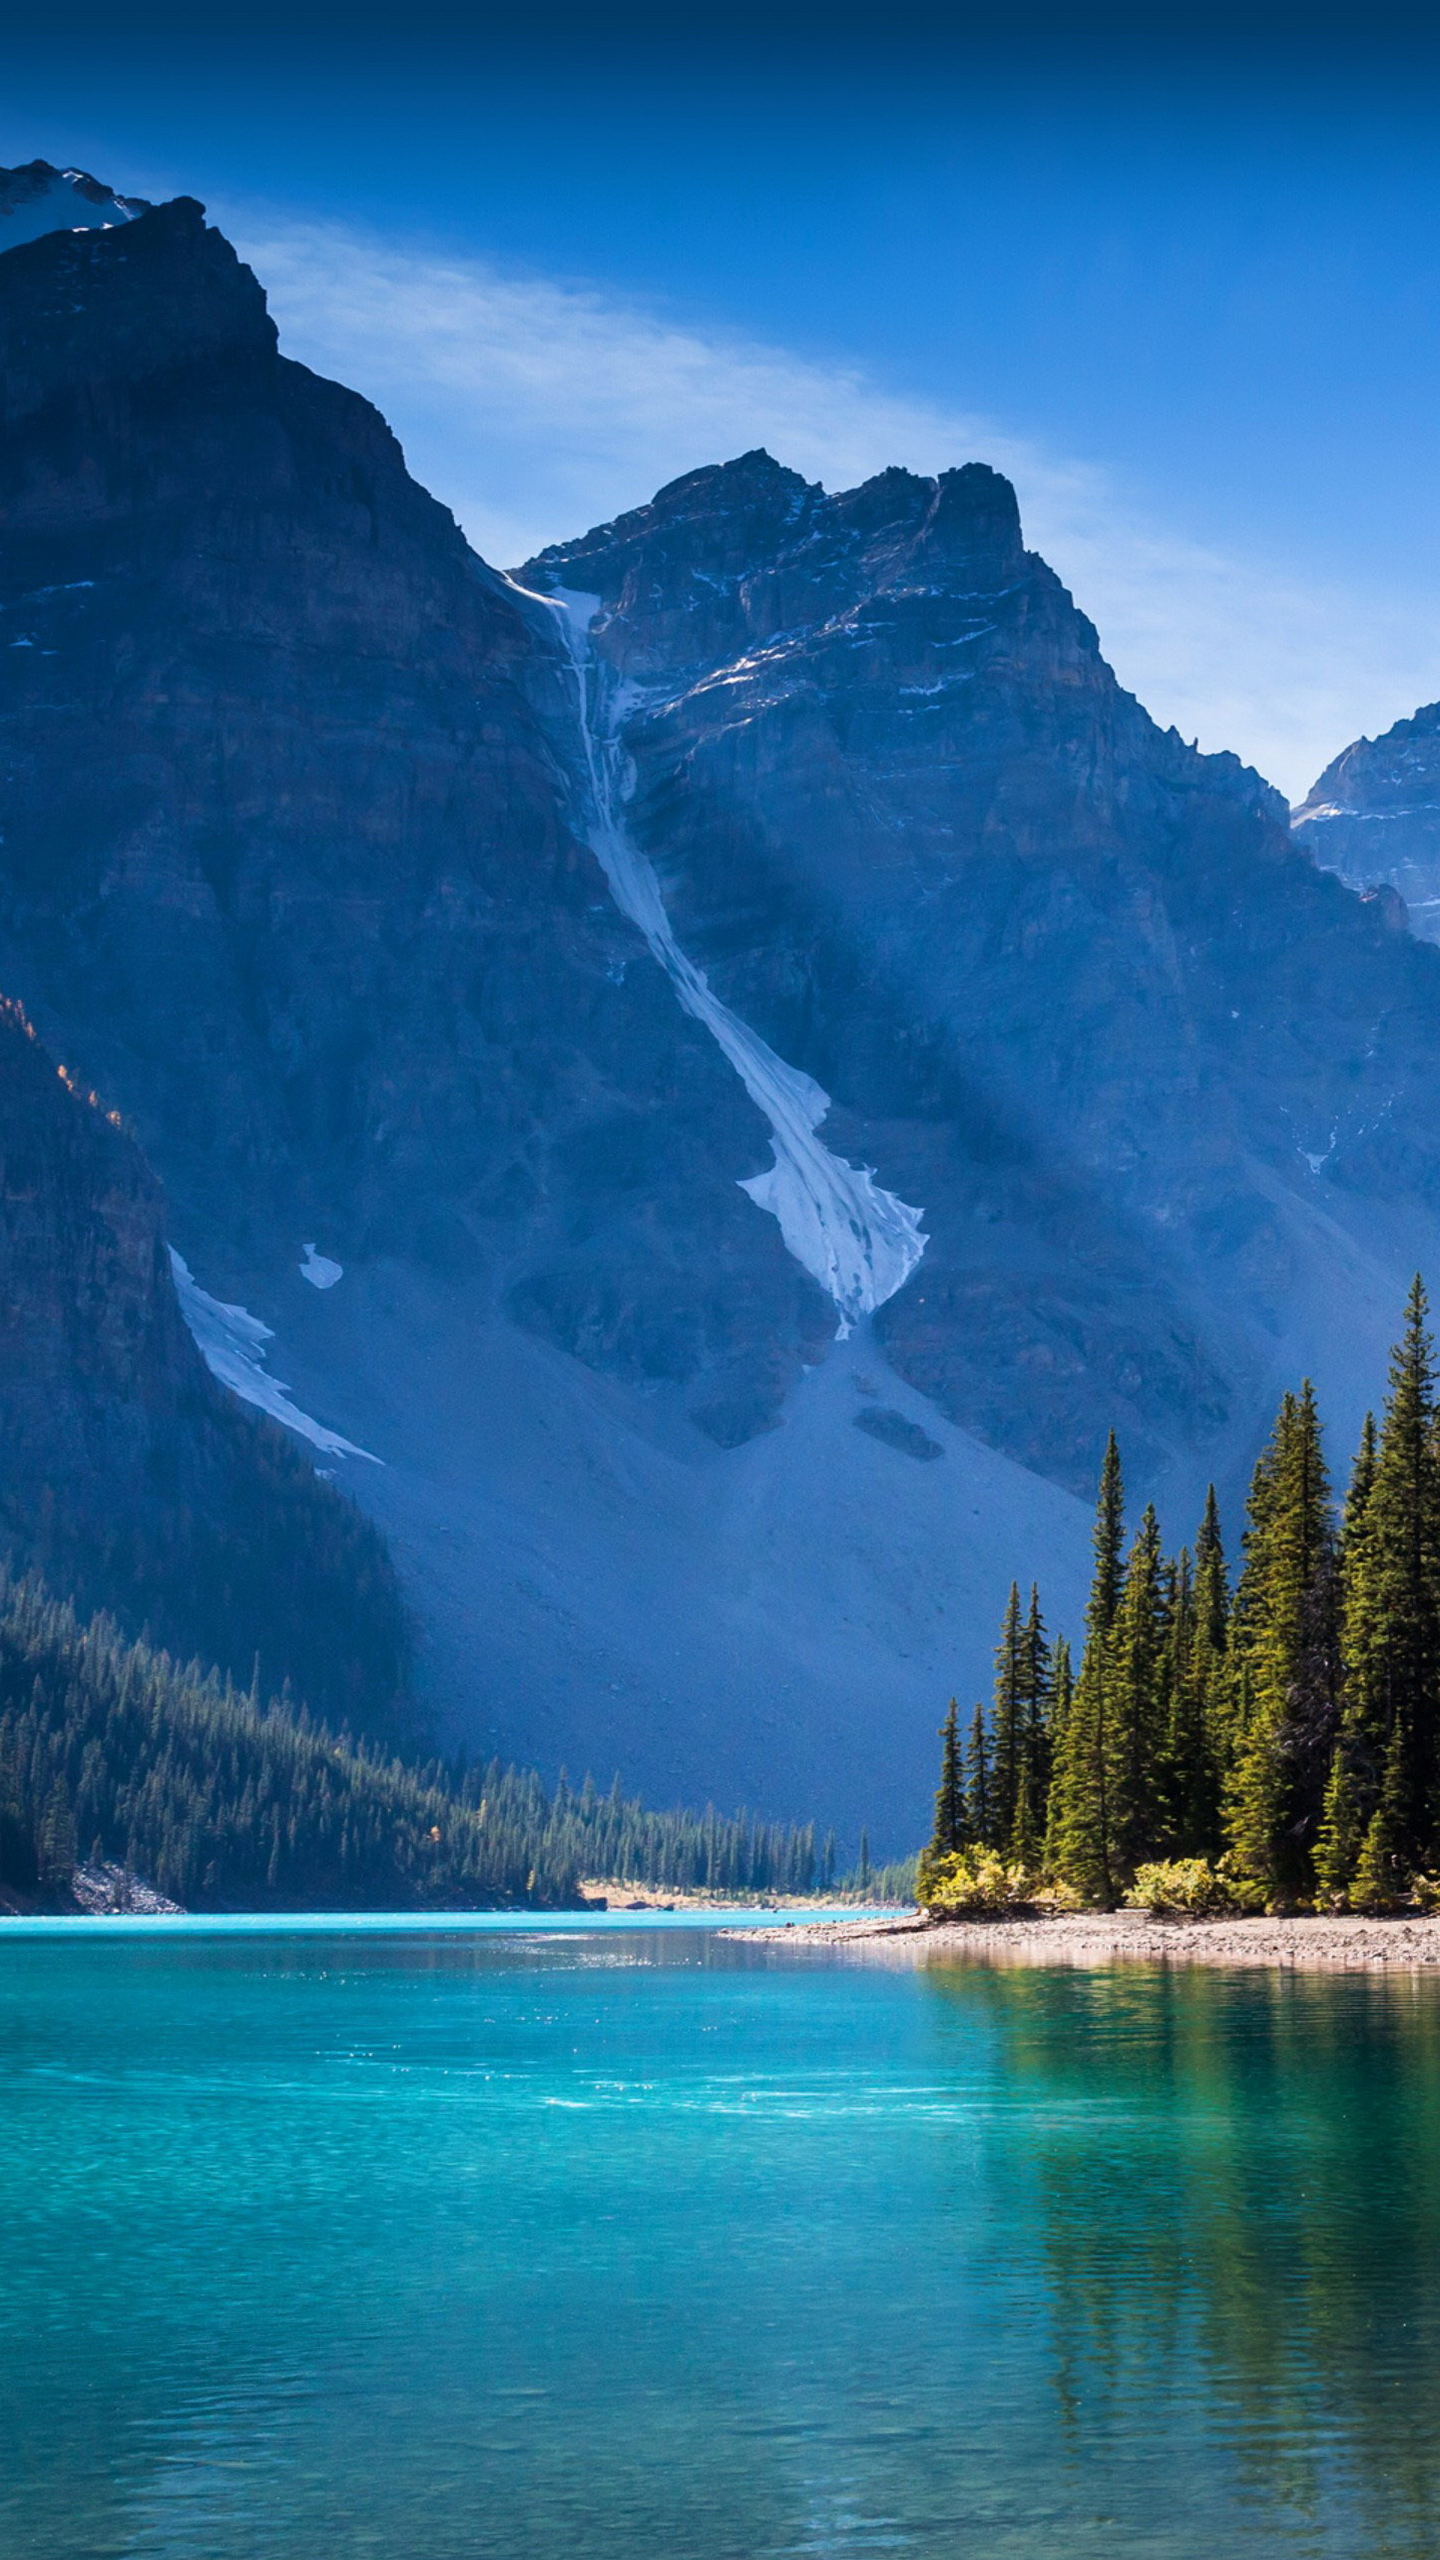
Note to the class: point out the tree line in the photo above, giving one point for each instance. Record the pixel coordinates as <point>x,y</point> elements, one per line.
<point>113,1754</point>
<point>1279,1731</point>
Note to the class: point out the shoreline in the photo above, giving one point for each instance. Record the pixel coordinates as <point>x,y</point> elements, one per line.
<point>1349,1942</point>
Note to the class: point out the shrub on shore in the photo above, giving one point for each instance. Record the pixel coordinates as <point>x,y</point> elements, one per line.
<point>978,1883</point>
<point>1183,1889</point>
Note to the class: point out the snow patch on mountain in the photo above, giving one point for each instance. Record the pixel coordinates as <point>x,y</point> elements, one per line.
<point>860,1242</point>
<point>319,1270</point>
<point>231,1343</point>
<point>39,198</point>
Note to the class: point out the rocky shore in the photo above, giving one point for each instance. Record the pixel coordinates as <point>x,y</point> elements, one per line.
<point>1352,1941</point>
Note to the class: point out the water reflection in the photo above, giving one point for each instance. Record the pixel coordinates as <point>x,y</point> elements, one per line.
<point>1236,2190</point>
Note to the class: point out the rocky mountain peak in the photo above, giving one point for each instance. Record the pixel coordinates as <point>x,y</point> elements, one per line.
<point>1374,817</point>
<point>81,308</point>
<point>747,554</point>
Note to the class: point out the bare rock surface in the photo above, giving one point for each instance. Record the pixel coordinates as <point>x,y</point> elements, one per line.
<point>105,1890</point>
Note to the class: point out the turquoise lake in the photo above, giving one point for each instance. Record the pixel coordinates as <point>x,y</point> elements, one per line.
<point>648,2245</point>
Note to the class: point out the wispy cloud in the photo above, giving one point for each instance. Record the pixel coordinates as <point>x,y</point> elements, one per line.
<point>536,409</point>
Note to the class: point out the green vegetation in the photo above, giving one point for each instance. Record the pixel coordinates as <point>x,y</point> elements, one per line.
<point>109,1752</point>
<point>613,1836</point>
<point>1275,1745</point>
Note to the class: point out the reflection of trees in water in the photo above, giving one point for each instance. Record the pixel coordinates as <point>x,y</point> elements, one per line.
<point>1238,2185</point>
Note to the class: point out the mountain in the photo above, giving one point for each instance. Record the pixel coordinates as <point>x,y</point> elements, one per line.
<point>130,1477</point>
<point>286,848</point>
<point>724,1061</point>
<point>1374,817</point>
<point>1066,982</point>
<point>41,198</point>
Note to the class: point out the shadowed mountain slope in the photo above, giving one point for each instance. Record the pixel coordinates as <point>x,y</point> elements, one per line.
<point>286,855</point>
<point>130,1477</point>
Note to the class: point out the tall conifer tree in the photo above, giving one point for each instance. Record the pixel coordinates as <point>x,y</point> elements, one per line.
<point>1080,1844</point>
<point>951,1825</point>
<point>1356,1769</point>
<point>1392,1605</point>
<point>1137,1650</point>
<point>977,1782</point>
<point>1189,1777</point>
<point>1028,1826</point>
<point>1211,1661</point>
<point>1009,1721</point>
<point>1286,1621</point>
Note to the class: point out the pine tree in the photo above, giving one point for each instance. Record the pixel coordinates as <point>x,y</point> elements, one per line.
<point>1108,1542</point>
<point>1362,1485</point>
<point>1342,1831</point>
<point>1080,1846</point>
<point>1189,1777</point>
<point>1382,1870</point>
<point>1062,1691</point>
<point>1210,1661</point>
<point>1039,1708</point>
<point>1391,1638</point>
<point>1138,1711</point>
<point>951,1826</point>
<point>57,1836</point>
<point>1286,1634</point>
<point>1008,1721</point>
<point>1212,1590</point>
<point>977,1782</point>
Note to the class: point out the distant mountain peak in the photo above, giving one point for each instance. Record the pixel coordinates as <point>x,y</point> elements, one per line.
<point>39,198</point>
<point>1374,817</point>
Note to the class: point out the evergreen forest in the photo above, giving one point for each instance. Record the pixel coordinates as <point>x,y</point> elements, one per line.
<point>1267,1738</point>
<point>111,1755</point>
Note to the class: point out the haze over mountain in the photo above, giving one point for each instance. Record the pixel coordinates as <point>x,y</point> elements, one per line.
<point>764,917</point>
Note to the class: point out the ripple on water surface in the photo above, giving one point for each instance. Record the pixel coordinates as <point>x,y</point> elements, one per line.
<point>582,2247</point>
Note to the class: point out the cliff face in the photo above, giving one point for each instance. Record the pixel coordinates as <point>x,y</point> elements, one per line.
<point>130,1477</point>
<point>286,854</point>
<point>1374,817</point>
<point>1065,980</point>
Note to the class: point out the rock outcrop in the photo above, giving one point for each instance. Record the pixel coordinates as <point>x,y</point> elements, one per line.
<point>1374,817</point>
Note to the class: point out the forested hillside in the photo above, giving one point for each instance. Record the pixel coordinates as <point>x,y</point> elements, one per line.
<point>111,1755</point>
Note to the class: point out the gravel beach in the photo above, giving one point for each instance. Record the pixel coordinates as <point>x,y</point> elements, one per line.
<point>1110,1937</point>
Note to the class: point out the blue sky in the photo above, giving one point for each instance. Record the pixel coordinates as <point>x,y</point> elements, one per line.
<point>1190,299</point>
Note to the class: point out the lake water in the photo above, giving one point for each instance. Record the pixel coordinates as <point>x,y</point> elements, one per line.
<point>645,2245</point>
